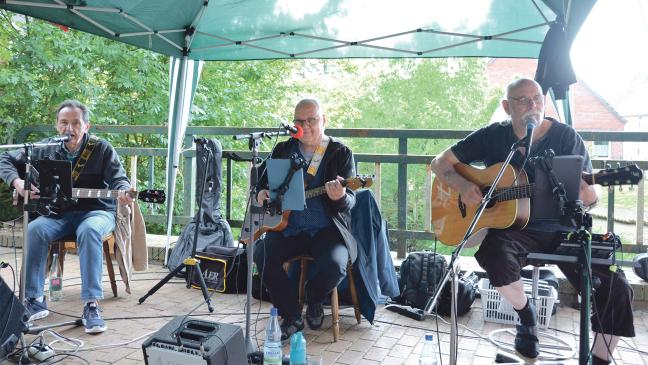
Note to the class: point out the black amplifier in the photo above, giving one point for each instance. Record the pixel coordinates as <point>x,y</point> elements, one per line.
<point>185,341</point>
<point>604,247</point>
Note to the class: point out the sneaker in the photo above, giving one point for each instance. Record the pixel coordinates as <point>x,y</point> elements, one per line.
<point>92,318</point>
<point>290,327</point>
<point>36,310</point>
<point>315,316</point>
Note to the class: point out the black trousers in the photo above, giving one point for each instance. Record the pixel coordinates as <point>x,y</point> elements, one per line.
<point>499,256</point>
<point>330,259</point>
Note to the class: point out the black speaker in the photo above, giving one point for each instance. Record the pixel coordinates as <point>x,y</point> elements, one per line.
<point>186,341</point>
<point>13,319</point>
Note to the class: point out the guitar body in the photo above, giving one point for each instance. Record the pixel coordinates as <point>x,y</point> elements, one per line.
<point>263,223</point>
<point>451,217</point>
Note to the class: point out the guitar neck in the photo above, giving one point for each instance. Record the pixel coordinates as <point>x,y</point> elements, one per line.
<point>315,192</point>
<point>311,193</point>
<point>515,192</point>
<point>94,193</point>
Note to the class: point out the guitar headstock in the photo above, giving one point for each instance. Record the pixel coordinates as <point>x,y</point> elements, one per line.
<point>627,175</point>
<point>152,196</point>
<point>359,182</point>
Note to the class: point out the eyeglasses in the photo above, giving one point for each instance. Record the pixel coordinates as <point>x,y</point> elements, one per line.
<point>310,121</point>
<point>537,100</point>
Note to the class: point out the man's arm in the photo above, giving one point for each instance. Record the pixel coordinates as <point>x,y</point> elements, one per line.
<point>588,194</point>
<point>443,167</point>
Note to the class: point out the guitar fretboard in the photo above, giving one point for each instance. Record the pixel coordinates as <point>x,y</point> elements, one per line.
<point>94,193</point>
<point>515,192</point>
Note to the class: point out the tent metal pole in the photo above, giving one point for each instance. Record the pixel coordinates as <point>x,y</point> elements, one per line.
<point>175,126</point>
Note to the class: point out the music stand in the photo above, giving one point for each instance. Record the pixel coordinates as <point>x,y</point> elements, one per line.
<point>286,183</point>
<point>55,180</point>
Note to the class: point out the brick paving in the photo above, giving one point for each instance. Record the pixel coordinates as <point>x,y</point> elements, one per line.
<point>392,339</point>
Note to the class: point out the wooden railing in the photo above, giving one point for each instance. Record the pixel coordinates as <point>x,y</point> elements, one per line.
<point>400,230</point>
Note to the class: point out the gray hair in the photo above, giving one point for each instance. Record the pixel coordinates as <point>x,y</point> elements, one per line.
<point>71,103</point>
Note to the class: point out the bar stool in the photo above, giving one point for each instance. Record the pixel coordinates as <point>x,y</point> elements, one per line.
<point>335,308</point>
<point>551,348</point>
<point>64,245</point>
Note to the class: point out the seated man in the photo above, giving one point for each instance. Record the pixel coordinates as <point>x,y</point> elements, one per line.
<point>90,219</point>
<point>321,230</point>
<point>499,253</point>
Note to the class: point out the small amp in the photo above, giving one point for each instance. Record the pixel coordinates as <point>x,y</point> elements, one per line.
<point>185,341</point>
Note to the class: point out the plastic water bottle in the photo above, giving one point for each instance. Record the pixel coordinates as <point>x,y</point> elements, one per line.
<point>297,349</point>
<point>55,280</point>
<point>428,353</point>
<point>272,354</point>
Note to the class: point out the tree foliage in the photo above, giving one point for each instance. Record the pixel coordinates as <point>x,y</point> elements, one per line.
<point>41,65</point>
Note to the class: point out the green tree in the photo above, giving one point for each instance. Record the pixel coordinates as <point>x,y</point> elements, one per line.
<point>412,94</point>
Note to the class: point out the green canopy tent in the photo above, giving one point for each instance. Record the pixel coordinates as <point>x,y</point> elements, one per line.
<point>206,30</point>
<point>287,29</point>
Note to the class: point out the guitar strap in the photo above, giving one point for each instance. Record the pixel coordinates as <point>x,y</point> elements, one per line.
<point>318,156</point>
<point>85,156</point>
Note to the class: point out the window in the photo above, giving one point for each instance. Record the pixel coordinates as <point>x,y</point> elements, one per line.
<point>601,149</point>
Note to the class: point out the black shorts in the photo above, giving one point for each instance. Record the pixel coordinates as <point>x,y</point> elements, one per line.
<point>503,255</point>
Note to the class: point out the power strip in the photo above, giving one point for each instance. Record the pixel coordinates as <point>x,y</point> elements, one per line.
<point>40,352</point>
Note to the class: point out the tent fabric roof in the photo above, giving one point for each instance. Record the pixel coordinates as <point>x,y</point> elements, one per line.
<point>263,29</point>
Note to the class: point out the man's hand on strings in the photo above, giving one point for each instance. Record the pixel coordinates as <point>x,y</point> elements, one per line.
<point>19,185</point>
<point>470,193</point>
<point>334,188</point>
<point>262,196</point>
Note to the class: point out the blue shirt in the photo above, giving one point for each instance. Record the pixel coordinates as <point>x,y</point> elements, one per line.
<point>314,218</point>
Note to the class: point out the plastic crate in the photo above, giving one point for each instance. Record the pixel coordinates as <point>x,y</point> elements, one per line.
<point>499,310</point>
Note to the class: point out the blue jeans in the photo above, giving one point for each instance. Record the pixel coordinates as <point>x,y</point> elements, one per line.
<point>89,227</point>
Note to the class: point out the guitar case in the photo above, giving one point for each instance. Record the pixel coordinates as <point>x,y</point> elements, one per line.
<point>214,230</point>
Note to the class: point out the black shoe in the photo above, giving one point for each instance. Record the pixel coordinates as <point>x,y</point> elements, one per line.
<point>290,327</point>
<point>315,316</point>
<point>526,342</point>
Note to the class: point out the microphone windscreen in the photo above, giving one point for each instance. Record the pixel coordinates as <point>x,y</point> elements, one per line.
<point>300,132</point>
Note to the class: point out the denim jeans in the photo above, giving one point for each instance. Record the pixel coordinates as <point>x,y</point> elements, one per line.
<point>89,227</point>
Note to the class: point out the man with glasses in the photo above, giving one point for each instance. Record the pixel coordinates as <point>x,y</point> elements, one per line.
<point>501,252</point>
<point>322,230</point>
<point>89,219</point>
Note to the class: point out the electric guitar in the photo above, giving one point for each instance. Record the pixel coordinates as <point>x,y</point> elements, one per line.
<point>511,206</point>
<point>13,210</point>
<point>262,221</point>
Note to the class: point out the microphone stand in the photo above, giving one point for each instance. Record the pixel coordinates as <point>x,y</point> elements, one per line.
<point>254,140</point>
<point>453,268</point>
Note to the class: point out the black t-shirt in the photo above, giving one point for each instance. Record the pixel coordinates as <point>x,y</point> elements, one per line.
<point>491,144</point>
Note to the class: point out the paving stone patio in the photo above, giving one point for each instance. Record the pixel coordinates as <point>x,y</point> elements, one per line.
<point>392,339</point>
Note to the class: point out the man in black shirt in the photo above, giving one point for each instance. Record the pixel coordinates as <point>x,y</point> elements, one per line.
<point>499,253</point>
<point>89,220</point>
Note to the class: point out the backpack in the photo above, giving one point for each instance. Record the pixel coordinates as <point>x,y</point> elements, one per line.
<point>420,275</point>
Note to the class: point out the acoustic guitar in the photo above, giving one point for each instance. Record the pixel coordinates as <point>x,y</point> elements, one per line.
<point>511,206</point>
<point>263,222</point>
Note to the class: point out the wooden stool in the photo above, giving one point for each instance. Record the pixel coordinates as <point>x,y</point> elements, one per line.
<point>69,243</point>
<point>335,308</point>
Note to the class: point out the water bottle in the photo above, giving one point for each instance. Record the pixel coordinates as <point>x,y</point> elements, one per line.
<point>297,349</point>
<point>272,354</point>
<point>55,280</point>
<point>428,353</point>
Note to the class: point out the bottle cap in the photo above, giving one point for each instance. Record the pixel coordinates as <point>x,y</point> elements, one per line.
<point>273,311</point>
<point>429,337</point>
<point>297,338</point>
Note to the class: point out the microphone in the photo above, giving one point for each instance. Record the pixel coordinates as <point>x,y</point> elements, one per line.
<point>62,139</point>
<point>296,131</point>
<point>530,126</point>
<point>200,140</point>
